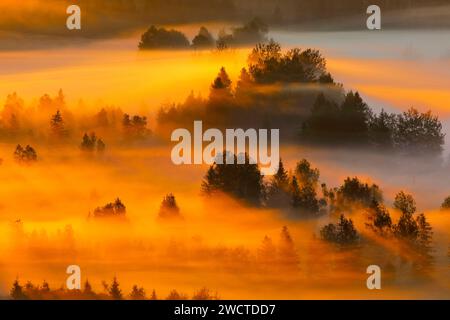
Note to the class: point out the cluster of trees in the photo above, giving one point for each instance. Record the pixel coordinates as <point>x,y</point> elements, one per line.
<point>111,291</point>
<point>297,191</point>
<point>161,38</point>
<point>243,181</point>
<point>353,122</point>
<point>169,209</point>
<point>91,143</point>
<point>135,127</point>
<point>50,118</point>
<point>114,209</point>
<point>157,38</point>
<point>248,104</point>
<point>267,64</point>
<point>252,32</point>
<point>343,232</point>
<point>25,155</point>
<point>323,112</point>
<point>412,227</point>
<point>352,195</point>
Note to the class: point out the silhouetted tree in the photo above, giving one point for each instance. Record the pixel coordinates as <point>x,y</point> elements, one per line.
<point>137,293</point>
<point>204,294</point>
<point>111,210</point>
<point>45,287</point>
<point>135,127</point>
<point>17,292</point>
<point>342,233</point>
<point>379,218</point>
<point>153,296</point>
<point>243,181</point>
<point>425,234</point>
<point>305,174</point>
<point>114,290</point>
<point>418,132</point>
<point>446,204</point>
<point>87,290</point>
<point>353,193</point>
<point>224,40</point>
<point>278,189</point>
<point>89,142</point>
<point>203,39</point>
<point>323,125</point>
<point>174,295</point>
<point>161,38</point>
<point>405,203</point>
<point>169,208</point>
<point>267,64</point>
<point>25,155</point>
<point>57,125</point>
<point>355,116</point>
<point>381,130</point>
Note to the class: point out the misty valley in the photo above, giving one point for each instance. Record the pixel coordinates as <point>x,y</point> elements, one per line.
<point>224,154</point>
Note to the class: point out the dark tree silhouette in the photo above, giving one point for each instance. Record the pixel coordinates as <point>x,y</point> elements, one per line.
<point>381,130</point>
<point>342,233</point>
<point>111,210</point>
<point>89,142</point>
<point>243,181</point>
<point>57,125</point>
<point>25,155</point>
<point>267,64</point>
<point>352,194</point>
<point>379,218</point>
<point>17,292</point>
<point>418,132</point>
<point>347,123</point>
<point>135,127</point>
<point>114,290</point>
<point>446,204</point>
<point>137,293</point>
<point>415,230</point>
<point>405,203</point>
<point>205,294</point>
<point>169,208</point>
<point>307,175</point>
<point>278,189</point>
<point>87,290</point>
<point>175,295</point>
<point>203,39</point>
<point>161,38</point>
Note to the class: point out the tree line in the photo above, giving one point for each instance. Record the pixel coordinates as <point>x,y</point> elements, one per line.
<point>293,91</point>
<point>161,38</point>
<point>300,193</point>
<point>111,291</point>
